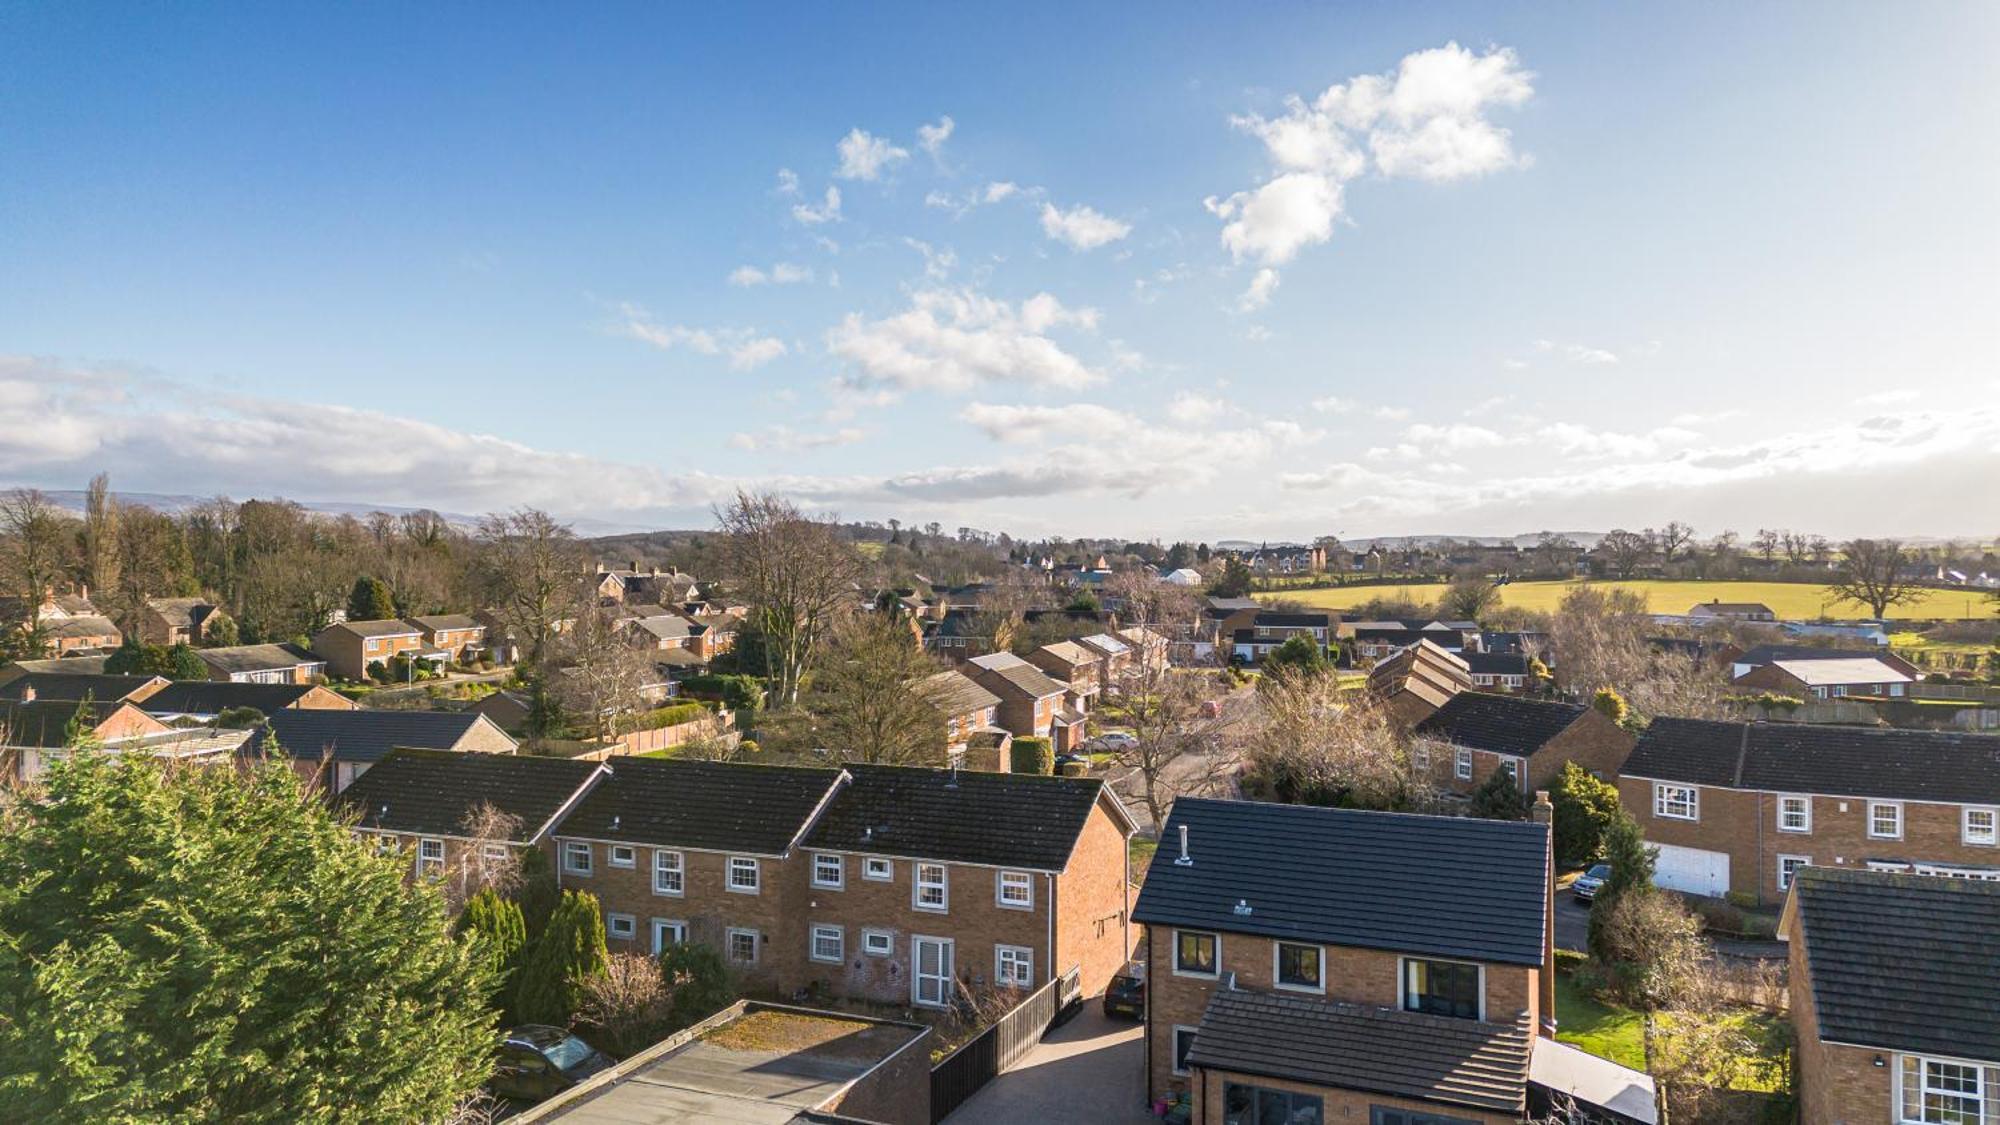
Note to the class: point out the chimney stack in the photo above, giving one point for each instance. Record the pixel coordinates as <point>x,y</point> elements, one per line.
<point>1184,859</point>
<point>635,566</point>
<point>1545,810</point>
<point>28,693</point>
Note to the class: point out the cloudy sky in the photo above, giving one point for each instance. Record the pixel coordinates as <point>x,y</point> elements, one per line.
<point>1167,271</point>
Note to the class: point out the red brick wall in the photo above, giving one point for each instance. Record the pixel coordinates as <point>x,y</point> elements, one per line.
<point>1093,929</point>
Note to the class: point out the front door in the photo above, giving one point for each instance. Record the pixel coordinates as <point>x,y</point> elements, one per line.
<point>930,976</point>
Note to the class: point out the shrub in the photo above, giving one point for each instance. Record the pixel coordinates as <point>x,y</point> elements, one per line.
<point>501,935</point>
<point>1584,807</point>
<point>658,717</point>
<point>560,963</point>
<point>183,664</point>
<point>378,671</point>
<point>1032,755</point>
<point>1075,769</point>
<point>699,979</point>
<point>1499,797</point>
<point>628,1004</point>
<point>238,718</point>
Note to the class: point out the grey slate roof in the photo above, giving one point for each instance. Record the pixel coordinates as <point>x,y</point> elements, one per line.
<point>1903,765</point>
<point>72,686</point>
<point>1496,663</point>
<point>955,694</point>
<point>1504,724</point>
<point>1441,885</point>
<point>362,736</point>
<point>963,816</point>
<point>436,792</point>
<point>256,658</point>
<point>1903,962</point>
<point>1358,1047</point>
<point>441,621</point>
<point>209,697</point>
<point>709,805</point>
<point>384,627</point>
<point>45,722</point>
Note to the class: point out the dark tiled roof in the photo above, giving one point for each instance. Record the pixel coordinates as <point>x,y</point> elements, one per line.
<point>1270,618</point>
<point>1767,654</point>
<point>964,816</point>
<point>1504,724</point>
<point>1358,1047</point>
<point>708,805</point>
<point>1496,663</point>
<point>1732,607</point>
<point>257,658</point>
<point>1903,765</point>
<point>438,792</point>
<point>1903,962</point>
<point>363,736</point>
<point>208,697</point>
<point>45,722</point>
<point>72,686</point>
<point>1345,877</point>
<point>1396,635</point>
<point>441,621</point>
<point>385,627</point>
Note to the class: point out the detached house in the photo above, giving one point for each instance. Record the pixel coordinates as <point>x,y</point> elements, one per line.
<point>34,733</point>
<point>1895,997</point>
<point>1031,704</point>
<point>352,646</point>
<point>458,635</point>
<point>1731,611</point>
<point>262,664</point>
<point>1116,659</point>
<point>1268,629</point>
<point>1078,668</point>
<point>177,621</point>
<point>966,707</point>
<point>334,748</point>
<point>1530,739</point>
<point>1856,673</point>
<point>1745,806</point>
<point>1497,671</point>
<point>1294,976</point>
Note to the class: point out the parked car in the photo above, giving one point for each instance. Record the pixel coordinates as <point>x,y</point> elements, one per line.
<point>1125,996</point>
<point>536,1062</point>
<point>1065,759</point>
<point>1590,882</point>
<point>1112,742</point>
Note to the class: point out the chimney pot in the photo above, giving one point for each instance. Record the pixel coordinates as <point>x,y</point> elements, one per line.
<point>1184,859</point>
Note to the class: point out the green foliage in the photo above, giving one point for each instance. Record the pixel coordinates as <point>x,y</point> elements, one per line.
<point>500,933</point>
<point>221,632</point>
<point>569,951</point>
<point>1632,862</point>
<point>1299,654</point>
<point>537,893</point>
<point>1499,797</point>
<point>670,716</point>
<point>211,945</point>
<point>370,600</point>
<point>546,717</point>
<point>742,694</point>
<point>378,671</point>
<point>183,664</point>
<point>1611,705</point>
<point>238,718</point>
<point>1032,755</point>
<point>1235,580</point>
<point>1083,602</point>
<point>131,658</point>
<point>1584,808</point>
<point>700,981</point>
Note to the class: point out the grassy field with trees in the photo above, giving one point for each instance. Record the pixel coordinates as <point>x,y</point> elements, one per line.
<point>1790,600</point>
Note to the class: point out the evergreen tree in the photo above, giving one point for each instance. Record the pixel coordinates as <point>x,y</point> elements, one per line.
<point>183,664</point>
<point>1632,862</point>
<point>221,632</point>
<point>1584,808</point>
<point>546,718</point>
<point>537,893</point>
<point>1499,797</point>
<point>370,600</point>
<point>1299,654</point>
<point>212,945</point>
<point>1235,580</point>
<point>127,658</point>
<point>500,933</point>
<point>700,980</point>
<point>569,951</point>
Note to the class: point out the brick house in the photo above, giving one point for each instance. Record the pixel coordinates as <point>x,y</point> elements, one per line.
<point>334,748</point>
<point>431,805</point>
<point>36,732</point>
<point>1505,672</point>
<point>1744,806</point>
<point>27,687</point>
<point>1030,702</point>
<point>1079,669</point>
<point>1149,648</point>
<point>966,707</point>
<point>1895,997</point>
<point>1116,659</point>
<point>350,647</point>
<point>1830,678</point>
<point>898,884</point>
<point>1417,681</point>
<point>263,664</point>
<point>177,621</point>
<point>1269,629</point>
<point>1291,971</point>
<point>1481,732</point>
<point>457,634</point>
<point>170,700</point>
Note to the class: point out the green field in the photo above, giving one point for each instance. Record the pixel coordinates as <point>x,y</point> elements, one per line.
<point>1793,601</point>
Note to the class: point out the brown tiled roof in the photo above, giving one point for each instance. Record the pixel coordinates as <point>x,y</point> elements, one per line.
<point>956,694</point>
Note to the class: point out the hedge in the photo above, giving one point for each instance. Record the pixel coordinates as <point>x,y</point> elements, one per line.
<point>670,716</point>
<point>1033,755</point>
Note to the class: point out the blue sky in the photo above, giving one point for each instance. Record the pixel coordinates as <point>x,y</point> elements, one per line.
<point>1522,267</point>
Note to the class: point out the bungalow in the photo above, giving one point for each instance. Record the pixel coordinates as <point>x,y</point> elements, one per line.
<point>27,687</point>
<point>1859,674</point>
<point>34,733</point>
<point>1719,610</point>
<point>1530,739</point>
<point>351,648</point>
<point>334,748</point>
<point>263,664</point>
<point>203,700</point>
<point>1895,999</point>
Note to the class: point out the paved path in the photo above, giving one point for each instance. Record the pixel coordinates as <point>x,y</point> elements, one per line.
<point>1087,1070</point>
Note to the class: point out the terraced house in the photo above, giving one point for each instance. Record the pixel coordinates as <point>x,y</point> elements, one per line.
<point>1295,973</point>
<point>1745,806</point>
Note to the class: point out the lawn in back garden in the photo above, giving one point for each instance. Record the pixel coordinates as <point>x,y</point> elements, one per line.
<point>1793,601</point>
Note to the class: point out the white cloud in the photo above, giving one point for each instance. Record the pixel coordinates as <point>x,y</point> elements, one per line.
<point>1889,398</point>
<point>938,264</point>
<point>1334,404</point>
<point>1590,356</point>
<point>781,273</point>
<point>1259,293</point>
<point>1082,227</point>
<point>999,191</point>
<point>954,340</point>
<point>1425,121</point>
<point>1190,409</point>
<point>746,350</point>
<point>1453,437</point>
<point>752,354</point>
<point>826,212</point>
<point>1391,413</point>
<point>1032,423</point>
<point>784,439</point>
<point>931,138</point>
<point>864,156</point>
<point>788,182</point>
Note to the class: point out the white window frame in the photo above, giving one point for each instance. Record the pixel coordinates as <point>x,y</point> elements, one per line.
<point>386,844</point>
<point>612,922</point>
<point>745,863</point>
<point>1003,881</point>
<point>838,881</point>
<point>492,857</point>
<point>672,925</point>
<point>729,937</point>
<point>1985,838</point>
<point>629,853</point>
<point>1277,955</point>
<point>1511,766</point>
<point>1420,756</point>
<point>1785,876</point>
<point>823,930</point>
<point>1805,813</point>
<point>1892,806</point>
<point>677,868</point>
<point>1174,955</point>
<point>1007,960</point>
<point>429,866</point>
<point>1663,808</point>
<point>878,943</point>
<point>572,850</point>
<point>875,869</point>
<point>919,884</point>
<point>1174,1049</point>
<point>1461,767</point>
<point>1982,1095</point>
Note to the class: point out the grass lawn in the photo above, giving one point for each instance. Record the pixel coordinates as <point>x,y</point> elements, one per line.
<point>1140,850</point>
<point>1583,1022</point>
<point>1791,600</point>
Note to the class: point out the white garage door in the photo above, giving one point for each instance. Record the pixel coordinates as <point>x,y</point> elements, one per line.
<point>1692,870</point>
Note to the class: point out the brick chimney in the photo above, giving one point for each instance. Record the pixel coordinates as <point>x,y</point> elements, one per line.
<point>1545,814</point>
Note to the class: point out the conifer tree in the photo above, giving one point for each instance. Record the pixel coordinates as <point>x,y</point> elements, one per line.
<point>569,951</point>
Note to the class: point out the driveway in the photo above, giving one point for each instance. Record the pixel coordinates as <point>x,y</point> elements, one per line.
<point>1086,1070</point>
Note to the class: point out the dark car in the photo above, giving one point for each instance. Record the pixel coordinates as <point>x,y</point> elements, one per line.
<point>537,1062</point>
<point>1126,996</point>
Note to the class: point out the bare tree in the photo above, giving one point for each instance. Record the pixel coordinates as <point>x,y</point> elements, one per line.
<point>1871,572</point>
<point>531,569</point>
<point>1556,554</point>
<point>1469,598</point>
<point>1599,640</point>
<point>1314,743</point>
<point>629,1003</point>
<point>489,859</point>
<point>1673,537</point>
<point>595,672</point>
<point>1182,742</point>
<point>1766,543</point>
<point>97,543</point>
<point>1625,550</point>
<point>868,699</point>
<point>35,544</point>
<point>1147,600</point>
<point>795,571</point>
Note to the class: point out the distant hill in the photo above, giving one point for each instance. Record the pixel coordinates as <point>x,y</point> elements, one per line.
<point>72,500</point>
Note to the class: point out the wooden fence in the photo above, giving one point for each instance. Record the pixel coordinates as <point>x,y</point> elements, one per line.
<point>980,1059</point>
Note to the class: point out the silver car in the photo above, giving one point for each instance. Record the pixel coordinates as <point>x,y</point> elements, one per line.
<point>1590,882</point>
